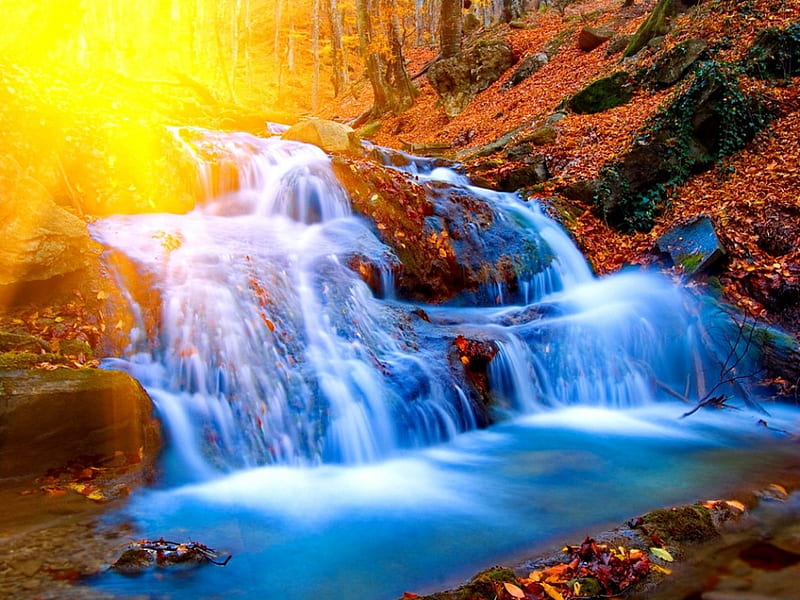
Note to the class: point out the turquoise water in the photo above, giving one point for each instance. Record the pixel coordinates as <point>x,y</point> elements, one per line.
<point>428,519</point>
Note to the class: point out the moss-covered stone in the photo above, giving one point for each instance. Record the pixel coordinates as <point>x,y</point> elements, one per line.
<point>486,585</point>
<point>15,361</point>
<point>680,524</point>
<point>657,24</point>
<point>775,53</point>
<point>602,94</point>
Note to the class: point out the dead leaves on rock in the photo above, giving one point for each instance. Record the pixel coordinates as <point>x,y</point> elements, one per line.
<point>144,554</point>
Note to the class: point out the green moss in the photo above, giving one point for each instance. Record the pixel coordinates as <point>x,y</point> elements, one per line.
<point>486,585</point>
<point>689,262</point>
<point>602,94</point>
<point>370,129</point>
<point>14,361</point>
<point>680,524</point>
<point>655,25</point>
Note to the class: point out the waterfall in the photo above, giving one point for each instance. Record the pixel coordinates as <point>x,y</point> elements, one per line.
<point>265,344</point>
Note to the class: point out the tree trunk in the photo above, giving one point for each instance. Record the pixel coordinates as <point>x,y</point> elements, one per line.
<point>315,17</point>
<point>450,28</point>
<point>391,86</point>
<point>340,77</point>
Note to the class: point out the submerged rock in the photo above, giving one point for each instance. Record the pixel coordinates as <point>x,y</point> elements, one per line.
<point>48,418</point>
<point>459,79</point>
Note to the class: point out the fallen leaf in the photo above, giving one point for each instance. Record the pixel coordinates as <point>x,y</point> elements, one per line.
<point>551,591</point>
<point>514,590</point>
<point>662,554</point>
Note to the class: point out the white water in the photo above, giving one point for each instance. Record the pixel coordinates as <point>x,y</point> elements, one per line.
<point>328,439</point>
<point>269,349</point>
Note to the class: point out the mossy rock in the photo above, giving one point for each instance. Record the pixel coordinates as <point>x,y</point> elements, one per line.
<point>15,361</point>
<point>775,53</point>
<point>486,585</point>
<point>680,524</point>
<point>602,94</point>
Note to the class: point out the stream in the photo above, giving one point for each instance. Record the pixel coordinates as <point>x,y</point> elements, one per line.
<point>323,431</point>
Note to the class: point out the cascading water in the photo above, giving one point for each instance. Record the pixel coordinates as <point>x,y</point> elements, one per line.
<point>327,432</point>
<point>269,348</point>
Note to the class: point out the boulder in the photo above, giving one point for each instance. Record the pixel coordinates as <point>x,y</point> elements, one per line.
<point>693,246</point>
<point>675,63</point>
<point>541,136</point>
<point>590,38</point>
<point>49,418</point>
<point>460,78</point>
<point>452,244</point>
<point>658,23</point>
<point>41,240</point>
<point>527,67</point>
<point>533,172</point>
<point>775,53</point>
<point>602,94</point>
<point>330,136</point>
<point>617,44</point>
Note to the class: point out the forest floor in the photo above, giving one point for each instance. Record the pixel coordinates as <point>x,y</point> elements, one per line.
<point>744,194</point>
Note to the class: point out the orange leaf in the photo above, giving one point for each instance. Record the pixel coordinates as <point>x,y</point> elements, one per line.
<point>514,590</point>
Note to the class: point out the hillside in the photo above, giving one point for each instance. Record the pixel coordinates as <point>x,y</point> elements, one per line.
<point>751,196</point>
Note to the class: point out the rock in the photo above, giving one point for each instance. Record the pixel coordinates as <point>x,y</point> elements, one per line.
<point>775,53</point>
<point>680,524</point>
<point>459,79</point>
<point>556,117</point>
<point>657,24</point>
<point>524,176</point>
<point>541,136</point>
<point>48,418</point>
<point>656,43</point>
<point>675,63</point>
<point>41,240</point>
<point>617,44</point>
<point>710,119</point>
<point>602,94</point>
<point>593,37</point>
<point>451,243</point>
<point>330,136</point>
<point>693,246</point>
<point>582,191</point>
<point>528,67</point>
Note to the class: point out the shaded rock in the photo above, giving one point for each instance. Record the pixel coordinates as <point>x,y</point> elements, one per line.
<point>656,43</point>
<point>658,23</point>
<point>541,136</point>
<point>693,246</point>
<point>602,94</point>
<point>474,356</point>
<point>459,79</point>
<point>41,240</point>
<point>450,241</point>
<point>676,62</point>
<point>527,67</point>
<point>593,37</point>
<point>775,53</point>
<point>524,176</point>
<point>582,191</point>
<point>679,524</point>
<point>710,119</point>
<point>330,136</point>
<point>48,418</point>
<point>617,44</point>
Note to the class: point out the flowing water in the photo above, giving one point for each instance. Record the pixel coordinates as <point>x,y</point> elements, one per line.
<point>321,430</point>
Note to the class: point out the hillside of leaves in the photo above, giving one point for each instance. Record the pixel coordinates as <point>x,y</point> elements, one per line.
<point>751,196</point>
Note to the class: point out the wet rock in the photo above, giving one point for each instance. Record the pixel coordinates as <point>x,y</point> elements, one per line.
<point>48,418</point>
<point>41,240</point>
<point>475,355</point>
<point>459,79</point>
<point>694,246</point>
<point>775,53</point>
<point>680,524</point>
<point>448,239</point>
<point>602,94</point>
<point>330,136</point>
<point>527,68</point>
<point>593,37</point>
<point>676,62</point>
